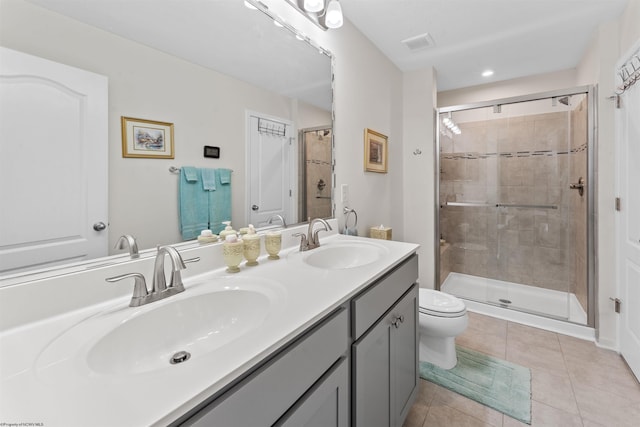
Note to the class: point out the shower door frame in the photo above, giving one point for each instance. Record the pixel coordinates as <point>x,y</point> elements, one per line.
<point>591,93</point>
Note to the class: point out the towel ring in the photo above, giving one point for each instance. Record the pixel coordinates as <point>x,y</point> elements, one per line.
<point>348,212</point>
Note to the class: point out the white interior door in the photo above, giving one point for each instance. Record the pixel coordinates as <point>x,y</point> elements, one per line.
<point>628,224</point>
<point>53,163</point>
<point>271,167</point>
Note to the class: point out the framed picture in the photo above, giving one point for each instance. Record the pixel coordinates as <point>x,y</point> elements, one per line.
<point>375,151</point>
<point>147,139</point>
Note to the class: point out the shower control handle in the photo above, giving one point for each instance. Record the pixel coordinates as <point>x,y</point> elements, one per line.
<point>578,186</point>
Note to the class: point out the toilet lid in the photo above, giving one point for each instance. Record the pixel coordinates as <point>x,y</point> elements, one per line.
<point>440,304</point>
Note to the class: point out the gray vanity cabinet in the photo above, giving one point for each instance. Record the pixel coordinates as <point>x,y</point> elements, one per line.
<point>305,384</point>
<point>385,352</point>
<point>326,404</point>
<point>358,366</point>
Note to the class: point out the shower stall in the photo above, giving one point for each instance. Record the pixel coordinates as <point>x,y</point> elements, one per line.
<point>515,210</point>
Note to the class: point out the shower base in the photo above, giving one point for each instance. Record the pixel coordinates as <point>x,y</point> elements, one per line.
<point>530,305</point>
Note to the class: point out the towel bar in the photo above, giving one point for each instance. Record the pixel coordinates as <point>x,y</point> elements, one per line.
<point>174,169</point>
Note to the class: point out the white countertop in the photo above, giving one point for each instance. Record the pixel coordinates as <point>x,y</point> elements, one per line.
<point>39,383</point>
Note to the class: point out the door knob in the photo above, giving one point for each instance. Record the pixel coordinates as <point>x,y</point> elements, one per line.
<point>99,226</point>
<point>255,207</point>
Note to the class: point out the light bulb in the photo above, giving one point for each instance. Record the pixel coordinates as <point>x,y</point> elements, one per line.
<point>313,5</point>
<point>249,5</point>
<point>334,15</point>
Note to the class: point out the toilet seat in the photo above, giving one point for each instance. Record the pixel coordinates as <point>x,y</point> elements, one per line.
<point>440,304</point>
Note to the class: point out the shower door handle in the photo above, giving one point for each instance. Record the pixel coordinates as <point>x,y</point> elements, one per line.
<point>578,186</point>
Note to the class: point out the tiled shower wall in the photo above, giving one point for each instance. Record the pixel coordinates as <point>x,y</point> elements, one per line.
<point>526,160</point>
<point>317,161</point>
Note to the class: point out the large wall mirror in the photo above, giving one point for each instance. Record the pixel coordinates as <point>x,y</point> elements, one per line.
<point>204,66</point>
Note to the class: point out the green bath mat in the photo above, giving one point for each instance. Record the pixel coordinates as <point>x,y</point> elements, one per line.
<point>496,383</point>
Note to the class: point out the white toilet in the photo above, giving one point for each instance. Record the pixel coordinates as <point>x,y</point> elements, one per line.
<point>442,317</point>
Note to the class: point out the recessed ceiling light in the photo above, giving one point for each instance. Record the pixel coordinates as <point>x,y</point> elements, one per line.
<point>487,73</point>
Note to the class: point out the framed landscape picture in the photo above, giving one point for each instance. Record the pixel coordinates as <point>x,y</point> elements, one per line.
<point>147,139</point>
<point>375,151</point>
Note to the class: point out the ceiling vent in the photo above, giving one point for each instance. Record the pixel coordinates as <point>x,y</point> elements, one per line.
<point>420,42</point>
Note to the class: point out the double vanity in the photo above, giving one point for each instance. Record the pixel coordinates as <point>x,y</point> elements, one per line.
<point>325,337</point>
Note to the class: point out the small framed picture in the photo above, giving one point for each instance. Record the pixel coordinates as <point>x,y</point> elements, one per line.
<point>147,139</point>
<point>375,151</point>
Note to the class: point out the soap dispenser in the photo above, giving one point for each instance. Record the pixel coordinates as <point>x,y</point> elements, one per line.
<point>251,246</point>
<point>206,236</point>
<point>228,230</point>
<point>232,250</point>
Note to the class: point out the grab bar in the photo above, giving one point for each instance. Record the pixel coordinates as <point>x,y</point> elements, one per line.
<point>478,205</point>
<point>504,205</point>
<point>500,205</point>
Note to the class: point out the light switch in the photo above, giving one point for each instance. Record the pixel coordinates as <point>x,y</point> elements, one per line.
<point>344,193</point>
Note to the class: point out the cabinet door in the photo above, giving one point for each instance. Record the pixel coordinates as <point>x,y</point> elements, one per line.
<point>385,366</point>
<point>404,356</point>
<point>326,404</point>
<point>371,377</point>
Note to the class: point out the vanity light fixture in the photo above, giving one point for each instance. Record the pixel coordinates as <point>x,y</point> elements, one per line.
<point>249,5</point>
<point>313,5</point>
<point>334,17</point>
<point>324,13</point>
<point>449,123</point>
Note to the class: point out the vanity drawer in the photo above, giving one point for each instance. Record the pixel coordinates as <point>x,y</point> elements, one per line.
<point>373,302</point>
<point>268,393</point>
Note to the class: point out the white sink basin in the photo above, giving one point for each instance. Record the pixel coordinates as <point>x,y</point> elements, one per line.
<point>197,325</point>
<point>344,254</point>
<point>125,341</point>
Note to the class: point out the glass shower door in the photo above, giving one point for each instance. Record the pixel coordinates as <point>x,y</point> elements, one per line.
<point>514,232</point>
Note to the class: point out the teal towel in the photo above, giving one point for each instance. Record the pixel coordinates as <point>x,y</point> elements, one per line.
<point>192,203</point>
<point>220,201</point>
<point>225,176</point>
<point>208,179</point>
<point>190,173</point>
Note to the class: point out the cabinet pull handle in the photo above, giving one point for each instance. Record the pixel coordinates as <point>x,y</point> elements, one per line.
<point>395,321</point>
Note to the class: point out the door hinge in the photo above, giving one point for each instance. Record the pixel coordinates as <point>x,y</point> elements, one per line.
<point>617,203</point>
<point>290,193</point>
<point>616,302</point>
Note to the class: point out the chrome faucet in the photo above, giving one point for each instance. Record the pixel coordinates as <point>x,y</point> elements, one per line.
<point>130,241</point>
<point>311,240</point>
<point>159,280</point>
<point>277,216</point>
<point>159,288</point>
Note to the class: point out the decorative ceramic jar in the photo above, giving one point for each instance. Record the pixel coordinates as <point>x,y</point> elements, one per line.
<point>232,252</point>
<point>273,244</point>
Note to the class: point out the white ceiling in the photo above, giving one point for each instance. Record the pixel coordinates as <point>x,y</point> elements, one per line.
<point>515,38</point>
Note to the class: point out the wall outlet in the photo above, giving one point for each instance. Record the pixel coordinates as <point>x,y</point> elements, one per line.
<point>344,193</point>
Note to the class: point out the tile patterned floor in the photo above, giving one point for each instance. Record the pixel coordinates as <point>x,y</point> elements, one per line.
<point>573,382</point>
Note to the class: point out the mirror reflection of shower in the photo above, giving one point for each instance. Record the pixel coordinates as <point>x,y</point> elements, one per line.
<point>315,146</point>
<point>513,233</point>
